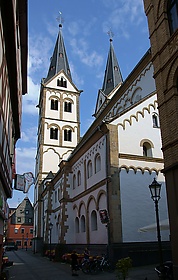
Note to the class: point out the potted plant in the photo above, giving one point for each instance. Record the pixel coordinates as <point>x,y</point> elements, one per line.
<point>122,266</point>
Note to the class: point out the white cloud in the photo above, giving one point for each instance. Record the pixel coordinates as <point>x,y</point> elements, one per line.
<point>80,48</point>
<point>25,158</point>
<point>40,48</point>
<point>29,135</point>
<point>30,100</point>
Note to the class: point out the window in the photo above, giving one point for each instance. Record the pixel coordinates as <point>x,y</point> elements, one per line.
<point>147,151</point>
<point>54,104</point>
<point>30,220</point>
<point>55,196</point>
<point>67,135</point>
<point>53,133</point>
<point>15,230</point>
<point>22,230</point>
<point>18,243</point>
<point>93,220</point>
<point>172,10</point>
<point>79,178</point>
<point>155,120</point>
<point>18,219</point>
<point>89,169</point>
<point>97,163</point>
<point>31,230</point>
<point>82,223</point>
<point>68,107</point>
<point>74,181</point>
<point>61,82</point>
<point>77,225</point>
<point>26,212</point>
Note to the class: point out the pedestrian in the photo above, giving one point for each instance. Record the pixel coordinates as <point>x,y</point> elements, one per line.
<point>74,263</point>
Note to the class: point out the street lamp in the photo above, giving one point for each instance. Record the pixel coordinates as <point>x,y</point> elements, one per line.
<point>50,229</point>
<point>155,189</point>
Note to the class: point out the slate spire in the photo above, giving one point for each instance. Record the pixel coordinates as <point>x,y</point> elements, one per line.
<point>113,75</point>
<point>59,59</point>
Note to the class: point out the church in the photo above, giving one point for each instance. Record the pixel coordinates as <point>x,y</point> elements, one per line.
<point>94,190</point>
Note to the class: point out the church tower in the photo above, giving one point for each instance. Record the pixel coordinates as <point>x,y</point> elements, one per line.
<point>59,121</point>
<point>59,124</point>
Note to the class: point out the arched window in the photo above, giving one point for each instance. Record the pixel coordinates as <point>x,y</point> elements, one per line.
<point>93,220</point>
<point>172,11</point>
<point>67,135</point>
<point>53,133</point>
<point>155,120</point>
<point>83,224</point>
<point>68,107</point>
<point>74,181</point>
<point>61,82</point>
<point>77,225</point>
<point>54,104</point>
<point>89,169</point>
<point>79,178</point>
<point>97,163</point>
<point>147,150</point>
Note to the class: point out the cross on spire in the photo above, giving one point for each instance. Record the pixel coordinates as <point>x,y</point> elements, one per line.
<point>60,19</point>
<point>111,35</point>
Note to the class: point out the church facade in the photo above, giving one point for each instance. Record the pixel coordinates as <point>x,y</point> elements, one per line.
<point>95,190</point>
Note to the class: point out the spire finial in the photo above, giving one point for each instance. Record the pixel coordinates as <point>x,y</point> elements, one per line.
<point>60,19</point>
<point>111,35</point>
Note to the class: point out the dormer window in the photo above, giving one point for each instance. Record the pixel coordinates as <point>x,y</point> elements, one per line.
<point>172,11</point>
<point>61,55</point>
<point>109,81</point>
<point>61,82</point>
<point>115,68</point>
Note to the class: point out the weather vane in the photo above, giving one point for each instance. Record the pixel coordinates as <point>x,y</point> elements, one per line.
<point>60,19</point>
<point>111,34</point>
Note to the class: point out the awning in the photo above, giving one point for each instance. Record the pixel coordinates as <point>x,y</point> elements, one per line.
<point>164,225</point>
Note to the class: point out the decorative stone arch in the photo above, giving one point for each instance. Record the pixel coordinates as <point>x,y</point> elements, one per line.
<point>68,127</point>
<point>80,206</point>
<point>53,125</point>
<point>76,208</point>
<point>172,75</point>
<point>54,97</point>
<point>146,140</point>
<point>133,168</point>
<point>135,94</point>
<point>100,193</point>
<point>124,167</point>
<point>52,150</point>
<point>89,200</point>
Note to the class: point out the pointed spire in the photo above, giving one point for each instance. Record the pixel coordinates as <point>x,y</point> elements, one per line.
<point>59,59</point>
<point>113,75</point>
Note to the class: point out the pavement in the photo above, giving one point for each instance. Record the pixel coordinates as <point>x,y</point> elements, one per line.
<point>29,266</point>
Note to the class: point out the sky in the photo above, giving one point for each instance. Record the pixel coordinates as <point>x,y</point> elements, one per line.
<point>85,32</point>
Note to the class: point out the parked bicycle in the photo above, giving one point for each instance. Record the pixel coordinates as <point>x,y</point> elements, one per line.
<point>96,265</point>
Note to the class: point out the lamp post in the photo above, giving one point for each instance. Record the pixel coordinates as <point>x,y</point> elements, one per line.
<point>50,230</point>
<point>155,189</point>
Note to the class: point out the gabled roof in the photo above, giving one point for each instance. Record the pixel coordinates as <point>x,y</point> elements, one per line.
<point>59,59</point>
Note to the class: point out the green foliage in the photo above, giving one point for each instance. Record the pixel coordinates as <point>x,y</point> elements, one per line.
<point>123,266</point>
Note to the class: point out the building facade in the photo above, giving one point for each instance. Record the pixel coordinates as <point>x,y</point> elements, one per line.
<point>13,84</point>
<point>109,169</point>
<point>163,28</point>
<point>20,225</point>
